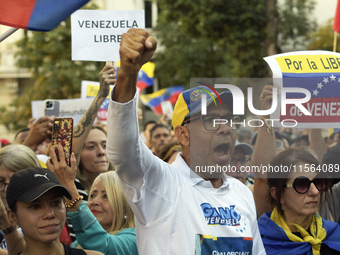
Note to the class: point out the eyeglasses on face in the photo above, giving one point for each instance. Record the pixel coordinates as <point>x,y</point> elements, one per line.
<point>302,184</point>
<point>243,161</point>
<point>213,122</point>
<point>3,185</point>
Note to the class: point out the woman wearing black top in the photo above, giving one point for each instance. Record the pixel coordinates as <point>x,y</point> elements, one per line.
<point>36,204</point>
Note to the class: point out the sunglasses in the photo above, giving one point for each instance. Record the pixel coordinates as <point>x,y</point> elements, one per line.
<point>301,184</point>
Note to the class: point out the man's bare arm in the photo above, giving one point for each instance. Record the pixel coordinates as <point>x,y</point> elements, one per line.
<point>264,152</point>
<point>317,142</point>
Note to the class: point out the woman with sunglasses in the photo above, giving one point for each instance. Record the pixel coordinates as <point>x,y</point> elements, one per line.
<point>294,226</point>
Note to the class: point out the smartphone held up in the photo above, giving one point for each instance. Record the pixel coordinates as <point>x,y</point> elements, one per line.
<point>51,107</point>
<point>62,134</point>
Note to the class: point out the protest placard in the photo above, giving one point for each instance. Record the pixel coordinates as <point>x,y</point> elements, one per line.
<point>318,72</point>
<point>73,108</point>
<point>96,34</point>
<point>89,89</point>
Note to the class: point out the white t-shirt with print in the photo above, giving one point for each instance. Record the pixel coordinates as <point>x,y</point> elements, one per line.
<point>174,212</point>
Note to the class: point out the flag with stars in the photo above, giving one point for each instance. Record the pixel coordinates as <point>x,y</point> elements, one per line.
<point>102,113</point>
<point>319,73</point>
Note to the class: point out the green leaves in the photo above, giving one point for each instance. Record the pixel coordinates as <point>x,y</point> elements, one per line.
<point>47,55</point>
<point>217,38</point>
<point>323,38</point>
<point>209,39</point>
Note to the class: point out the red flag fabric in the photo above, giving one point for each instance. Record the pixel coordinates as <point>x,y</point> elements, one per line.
<point>37,15</point>
<point>336,24</point>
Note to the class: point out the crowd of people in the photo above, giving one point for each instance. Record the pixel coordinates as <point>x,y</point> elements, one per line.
<point>184,186</point>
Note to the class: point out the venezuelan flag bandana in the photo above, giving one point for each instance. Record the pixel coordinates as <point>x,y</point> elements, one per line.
<point>318,233</point>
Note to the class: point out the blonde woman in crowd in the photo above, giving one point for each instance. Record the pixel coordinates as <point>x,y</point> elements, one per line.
<point>106,223</point>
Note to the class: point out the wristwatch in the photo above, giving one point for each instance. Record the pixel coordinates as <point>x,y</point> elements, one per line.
<point>7,230</point>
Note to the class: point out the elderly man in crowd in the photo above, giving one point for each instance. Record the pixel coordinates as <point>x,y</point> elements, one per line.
<point>179,208</point>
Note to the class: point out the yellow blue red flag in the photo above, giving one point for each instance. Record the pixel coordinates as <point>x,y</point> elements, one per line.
<point>37,15</point>
<point>155,99</point>
<point>319,73</point>
<point>145,76</point>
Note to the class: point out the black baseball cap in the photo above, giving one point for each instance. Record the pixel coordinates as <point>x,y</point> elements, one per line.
<point>29,184</point>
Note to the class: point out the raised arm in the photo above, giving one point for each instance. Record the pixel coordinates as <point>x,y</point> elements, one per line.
<point>136,48</point>
<point>65,174</point>
<point>89,233</point>
<point>264,152</point>
<point>144,177</point>
<point>14,240</point>
<point>317,142</point>
<point>40,130</point>
<point>107,77</point>
<point>265,148</point>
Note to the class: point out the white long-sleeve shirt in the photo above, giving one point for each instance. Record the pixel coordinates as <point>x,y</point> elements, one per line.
<point>174,212</point>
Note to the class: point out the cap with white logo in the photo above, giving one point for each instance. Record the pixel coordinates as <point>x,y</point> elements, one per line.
<point>29,184</point>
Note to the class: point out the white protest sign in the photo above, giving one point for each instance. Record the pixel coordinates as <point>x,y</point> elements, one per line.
<point>96,34</point>
<point>72,108</point>
<point>89,88</point>
<point>318,74</point>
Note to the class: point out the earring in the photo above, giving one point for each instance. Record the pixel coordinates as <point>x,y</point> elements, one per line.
<point>125,217</point>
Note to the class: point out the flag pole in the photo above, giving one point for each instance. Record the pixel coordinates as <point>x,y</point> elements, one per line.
<point>335,41</point>
<point>8,33</point>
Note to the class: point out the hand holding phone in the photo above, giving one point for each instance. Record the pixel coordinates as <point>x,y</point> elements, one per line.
<point>63,134</point>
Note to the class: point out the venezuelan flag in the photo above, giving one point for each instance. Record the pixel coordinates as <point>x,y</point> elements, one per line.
<point>37,15</point>
<point>145,76</point>
<point>168,94</point>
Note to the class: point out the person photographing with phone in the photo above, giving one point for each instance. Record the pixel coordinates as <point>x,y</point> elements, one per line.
<point>106,222</point>
<point>35,201</point>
